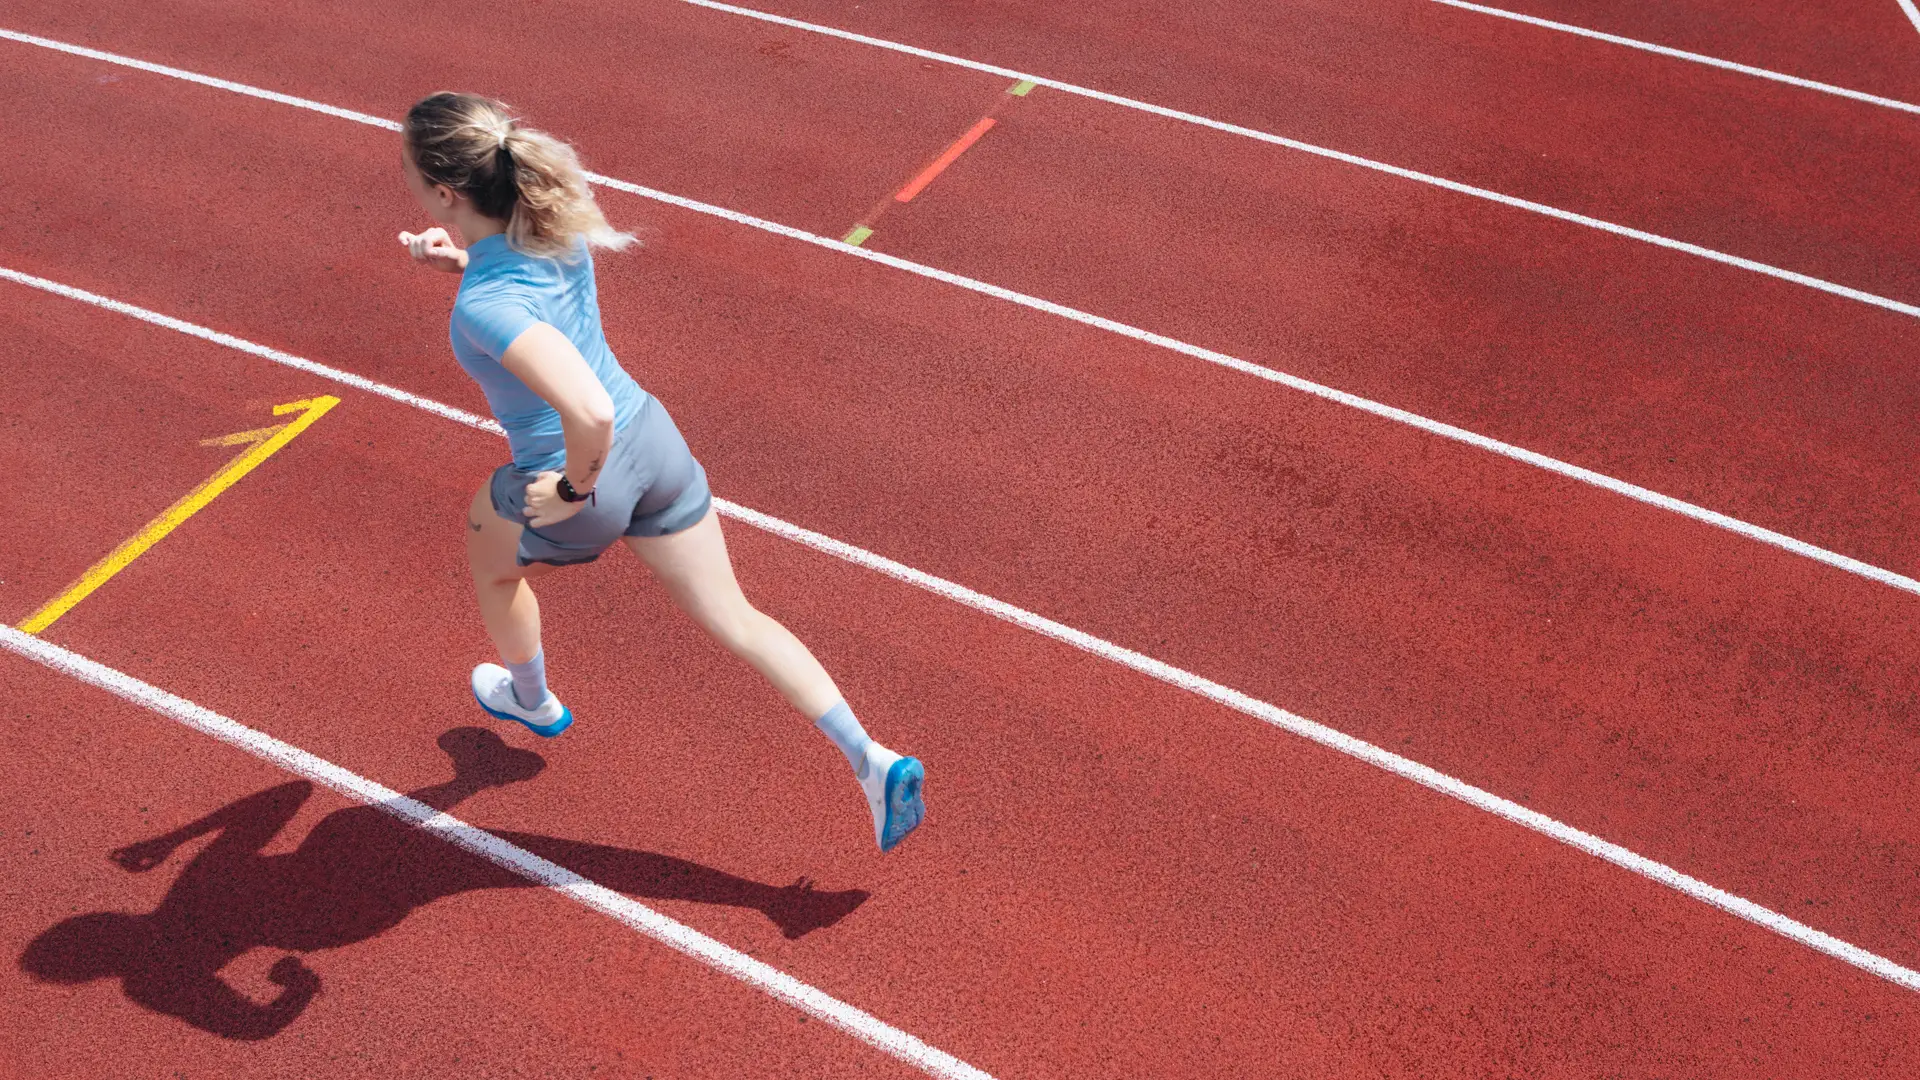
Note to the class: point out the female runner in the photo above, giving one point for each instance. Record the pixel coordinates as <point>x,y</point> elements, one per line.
<point>596,459</point>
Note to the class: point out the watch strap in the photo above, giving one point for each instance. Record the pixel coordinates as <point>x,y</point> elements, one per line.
<point>566,492</point>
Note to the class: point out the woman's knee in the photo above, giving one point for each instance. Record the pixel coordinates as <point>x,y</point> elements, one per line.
<point>737,625</point>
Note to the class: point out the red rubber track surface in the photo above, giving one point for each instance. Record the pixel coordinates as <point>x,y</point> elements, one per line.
<point>1181,892</point>
<point>1766,400</point>
<point>1412,592</point>
<point>1201,895</point>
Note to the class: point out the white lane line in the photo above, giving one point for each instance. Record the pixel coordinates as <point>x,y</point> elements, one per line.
<point>675,935</point>
<point>459,416</point>
<point>1698,58</point>
<point>1517,203</point>
<point>1196,684</point>
<point>196,77</point>
<point>1913,13</point>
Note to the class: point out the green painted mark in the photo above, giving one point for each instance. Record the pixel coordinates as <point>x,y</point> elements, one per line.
<point>858,236</point>
<point>1023,88</point>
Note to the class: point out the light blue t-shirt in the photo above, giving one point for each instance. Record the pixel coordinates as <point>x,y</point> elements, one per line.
<point>502,293</point>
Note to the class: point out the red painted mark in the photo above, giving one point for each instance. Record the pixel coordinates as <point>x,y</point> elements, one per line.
<point>864,227</point>
<point>940,163</point>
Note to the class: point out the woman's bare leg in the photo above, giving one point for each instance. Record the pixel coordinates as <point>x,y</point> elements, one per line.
<point>507,604</point>
<point>519,690</point>
<point>694,566</point>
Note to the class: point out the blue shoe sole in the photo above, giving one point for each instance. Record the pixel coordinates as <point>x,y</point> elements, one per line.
<point>545,731</point>
<point>905,810</point>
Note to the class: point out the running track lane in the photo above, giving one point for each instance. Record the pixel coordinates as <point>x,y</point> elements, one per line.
<point>1783,376</point>
<point>1726,389</point>
<point>1678,149</point>
<point>1605,666</point>
<point>1151,913</point>
<point>807,136</point>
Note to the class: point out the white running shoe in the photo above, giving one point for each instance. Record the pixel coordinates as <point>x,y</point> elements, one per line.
<point>892,784</point>
<point>493,689</point>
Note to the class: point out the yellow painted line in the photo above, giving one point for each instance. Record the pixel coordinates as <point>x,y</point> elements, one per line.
<point>244,438</point>
<point>1022,88</point>
<point>263,443</point>
<point>858,236</point>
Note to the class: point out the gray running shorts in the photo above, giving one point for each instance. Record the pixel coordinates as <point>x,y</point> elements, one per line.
<point>650,486</point>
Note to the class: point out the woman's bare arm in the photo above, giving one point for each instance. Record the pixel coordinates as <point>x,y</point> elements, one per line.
<point>547,362</point>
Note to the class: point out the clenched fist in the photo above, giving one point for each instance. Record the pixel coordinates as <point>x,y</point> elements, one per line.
<point>436,249</point>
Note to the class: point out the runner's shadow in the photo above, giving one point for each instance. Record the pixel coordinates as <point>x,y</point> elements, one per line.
<point>358,873</point>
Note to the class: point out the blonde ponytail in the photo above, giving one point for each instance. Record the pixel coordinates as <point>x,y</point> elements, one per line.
<point>526,178</point>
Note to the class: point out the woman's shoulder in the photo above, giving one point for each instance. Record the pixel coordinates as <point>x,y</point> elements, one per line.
<point>492,309</point>
<point>516,279</point>
<point>478,297</point>
<point>502,277</point>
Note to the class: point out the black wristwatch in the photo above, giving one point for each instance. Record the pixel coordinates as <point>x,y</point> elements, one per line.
<point>567,494</point>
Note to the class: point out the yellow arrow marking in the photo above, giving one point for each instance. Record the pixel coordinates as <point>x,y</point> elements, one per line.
<point>263,443</point>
